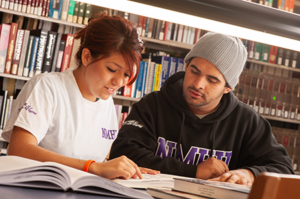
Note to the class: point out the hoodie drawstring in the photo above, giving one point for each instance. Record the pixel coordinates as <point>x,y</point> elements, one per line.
<point>213,139</point>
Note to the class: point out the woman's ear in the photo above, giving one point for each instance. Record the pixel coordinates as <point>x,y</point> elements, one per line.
<point>86,56</point>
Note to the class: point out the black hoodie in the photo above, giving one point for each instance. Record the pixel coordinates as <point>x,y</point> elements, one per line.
<point>161,127</point>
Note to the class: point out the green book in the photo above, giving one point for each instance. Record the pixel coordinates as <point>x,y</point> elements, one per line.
<point>71,11</point>
<point>81,12</point>
<point>265,52</point>
<point>76,11</point>
<point>87,14</point>
<point>257,51</point>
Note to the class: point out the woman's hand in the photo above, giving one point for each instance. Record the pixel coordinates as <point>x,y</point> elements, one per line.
<point>121,167</point>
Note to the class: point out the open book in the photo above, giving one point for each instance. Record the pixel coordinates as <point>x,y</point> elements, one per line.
<point>17,171</point>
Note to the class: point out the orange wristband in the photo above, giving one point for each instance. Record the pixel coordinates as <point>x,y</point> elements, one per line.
<point>87,165</point>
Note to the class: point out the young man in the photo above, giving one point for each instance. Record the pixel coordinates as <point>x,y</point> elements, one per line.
<point>194,126</point>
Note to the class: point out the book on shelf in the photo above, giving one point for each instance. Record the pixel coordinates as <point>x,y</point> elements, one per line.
<point>81,11</point>
<point>294,59</point>
<point>139,80</point>
<point>265,53</point>
<point>17,51</point>
<point>55,9</point>
<point>251,49</point>
<point>18,171</point>
<point>3,106</point>
<point>286,57</point>
<point>33,56</point>
<point>42,34</point>
<point>156,77</point>
<point>258,51</point>
<point>75,14</point>
<point>279,59</point>
<point>273,54</point>
<point>166,193</point>
<point>68,38</point>
<point>164,61</point>
<point>28,56</point>
<point>11,46</point>
<point>71,10</point>
<point>212,189</point>
<point>4,39</point>
<point>60,55</point>
<point>64,10</point>
<point>48,56</point>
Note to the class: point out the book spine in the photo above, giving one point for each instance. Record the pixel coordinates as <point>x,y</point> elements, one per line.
<point>164,70</point>
<point>180,33</point>
<point>28,7</point>
<point>33,56</point>
<point>47,8</point>
<point>40,7</point>
<point>24,6</point>
<point>5,30</point>
<point>76,10</point>
<point>28,56</point>
<point>3,109</point>
<point>257,51</point>
<point>23,52</point>
<point>162,30</point>
<point>87,14</point>
<point>140,24</point>
<point>48,57</point>
<point>287,57</point>
<point>265,52</point>
<point>294,60</point>
<point>165,30</point>
<point>279,59</point>
<point>17,52</point>
<point>69,38</point>
<point>56,51</point>
<point>150,76</point>
<point>127,90</point>
<point>185,34</point>
<point>144,79</point>
<point>71,11</point>
<point>81,12</point>
<point>251,49</point>
<point>35,7</point>
<point>173,65</point>
<point>11,46</point>
<point>20,5</point>
<point>6,112</point>
<point>60,56</point>
<point>150,28</point>
<point>273,54</point>
<point>139,80</point>
<point>144,26</point>
<point>179,65</point>
<point>41,52</point>
<point>156,81</point>
<point>11,4</point>
<point>65,9</point>
<point>44,7</point>
<point>147,26</point>
<point>16,4</point>
<point>55,9</point>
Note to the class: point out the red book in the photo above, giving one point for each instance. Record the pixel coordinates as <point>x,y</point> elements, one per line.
<point>166,30</point>
<point>45,2</point>
<point>47,8</point>
<point>127,90</point>
<point>69,38</point>
<point>273,54</point>
<point>140,24</point>
<point>17,52</point>
<point>292,5</point>
<point>11,46</point>
<point>287,5</point>
<point>197,35</point>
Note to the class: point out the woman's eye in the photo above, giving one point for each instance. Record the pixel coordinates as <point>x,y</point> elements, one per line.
<point>127,75</point>
<point>111,70</point>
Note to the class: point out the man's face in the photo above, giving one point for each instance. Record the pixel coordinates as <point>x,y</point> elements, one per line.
<point>203,86</point>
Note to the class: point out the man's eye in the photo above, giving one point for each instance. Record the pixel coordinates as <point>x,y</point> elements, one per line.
<point>194,72</point>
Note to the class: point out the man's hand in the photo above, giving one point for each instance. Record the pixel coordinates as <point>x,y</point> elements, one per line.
<point>239,176</point>
<point>211,168</point>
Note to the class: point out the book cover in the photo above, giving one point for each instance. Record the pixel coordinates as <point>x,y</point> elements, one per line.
<point>71,10</point>
<point>14,169</point>
<point>76,11</point>
<point>48,56</point>
<point>4,38</point>
<point>81,12</point>
<point>17,51</point>
<point>60,56</point>
<point>258,51</point>
<point>164,61</point>
<point>11,46</point>
<point>55,9</point>
<point>212,189</point>
<point>273,54</point>
<point>33,56</point>
<point>43,35</point>
<point>265,52</point>
<point>23,52</point>
<point>279,59</point>
<point>28,56</point>
<point>139,80</point>
<point>64,10</point>
<point>87,14</point>
<point>68,38</point>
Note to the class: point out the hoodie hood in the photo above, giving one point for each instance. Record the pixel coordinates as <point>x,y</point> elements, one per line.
<point>172,90</point>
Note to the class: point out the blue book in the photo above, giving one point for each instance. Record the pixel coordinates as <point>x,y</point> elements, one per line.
<point>33,55</point>
<point>179,65</point>
<point>173,66</point>
<point>139,81</point>
<point>147,27</point>
<point>144,79</point>
<point>164,61</point>
<point>55,9</point>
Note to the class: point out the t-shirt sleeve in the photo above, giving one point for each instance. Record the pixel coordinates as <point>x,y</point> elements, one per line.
<point>33,108</point>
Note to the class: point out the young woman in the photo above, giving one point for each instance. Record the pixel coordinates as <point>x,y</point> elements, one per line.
<point>69,117</point>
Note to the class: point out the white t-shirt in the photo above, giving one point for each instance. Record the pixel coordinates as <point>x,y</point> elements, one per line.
<point>51,107</point>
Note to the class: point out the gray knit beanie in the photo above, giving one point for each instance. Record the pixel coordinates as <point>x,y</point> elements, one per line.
<point>227,53</point>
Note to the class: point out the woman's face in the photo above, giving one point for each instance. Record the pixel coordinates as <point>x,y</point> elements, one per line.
<point>105,76</point>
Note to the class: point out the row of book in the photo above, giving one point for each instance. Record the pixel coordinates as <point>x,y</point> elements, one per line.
<point>290,139</point>
<point>30,52</point>
<point>66,10</point>
<point>163,30</point>
<point>270,94</point>
<point>272,54</point>
<point>287,5</point>
<point>154,71</point>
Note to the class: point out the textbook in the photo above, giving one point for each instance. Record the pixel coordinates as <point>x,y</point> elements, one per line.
<point>18,171</point>
<point>171,194</point>
<point>212,189</point>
